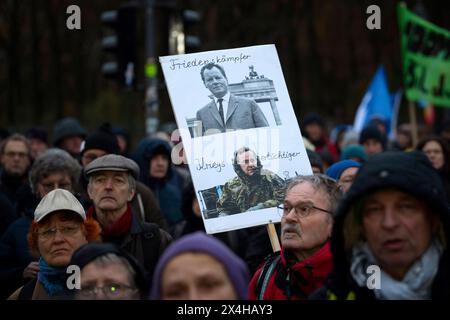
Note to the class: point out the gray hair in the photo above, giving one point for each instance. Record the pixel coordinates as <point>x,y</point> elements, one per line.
<point>112,258</point>
<point>320,182</point>
<point>53,161</point>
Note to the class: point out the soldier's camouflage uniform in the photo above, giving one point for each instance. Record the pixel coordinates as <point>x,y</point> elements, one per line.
<point>263,188</point>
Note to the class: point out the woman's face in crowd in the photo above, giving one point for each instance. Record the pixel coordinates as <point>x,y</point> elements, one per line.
<point>434,152</point>
<point>59,236</point>
<point>196,276</point>
<point>53,181</point>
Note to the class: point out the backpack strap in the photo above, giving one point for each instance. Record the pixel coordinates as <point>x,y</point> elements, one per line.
<point>265,275</point>
<point>27,290</point>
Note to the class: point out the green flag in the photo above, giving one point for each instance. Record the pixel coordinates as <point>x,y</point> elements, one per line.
<point>426,59</point>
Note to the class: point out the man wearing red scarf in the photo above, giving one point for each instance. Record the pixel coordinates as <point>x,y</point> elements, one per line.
<point>112,185</point>
<point>305,259</point>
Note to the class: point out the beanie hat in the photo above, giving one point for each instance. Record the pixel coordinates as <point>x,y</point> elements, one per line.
<point>91,251</point>
<point>372,132</point>
<point>37,133</point>
<point>200,242</point>
<point>65,128</point>
<point>311,118</point>
<point>103,139</point>
<point>339,167</point>
<point>354,151</point>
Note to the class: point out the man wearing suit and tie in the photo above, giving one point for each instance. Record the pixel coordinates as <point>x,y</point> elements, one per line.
<point>226,111</point>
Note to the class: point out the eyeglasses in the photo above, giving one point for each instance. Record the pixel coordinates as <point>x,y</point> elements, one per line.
<point>66,231</point>
<point>51,186</point>
<point>302,210</point>
<point>110,291</point>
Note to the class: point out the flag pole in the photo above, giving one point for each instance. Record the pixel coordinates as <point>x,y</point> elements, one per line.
<point>413,121</point>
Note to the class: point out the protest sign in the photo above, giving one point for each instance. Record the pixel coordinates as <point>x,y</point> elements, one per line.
<point>426,59</point>
<point>240,134</point>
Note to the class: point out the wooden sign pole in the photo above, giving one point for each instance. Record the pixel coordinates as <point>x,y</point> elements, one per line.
<point>273,237</point>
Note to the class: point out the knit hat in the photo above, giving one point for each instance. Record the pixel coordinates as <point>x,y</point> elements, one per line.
<point>313,117</point>
<point>200,242</point>
<point>372,132</point>
<point>37,133</point>
<point>91,251</point>
<point>354,151</point>
<point>103,139</point>
<point>339,167</point>
<point>65,128</point>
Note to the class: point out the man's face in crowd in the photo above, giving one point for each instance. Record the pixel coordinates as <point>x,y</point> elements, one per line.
<point>248,162</point>
<point>159,165</point>
<point>305,235</point>
<point>196,276</point>
<point>346,178</point>
<point>398,229</point>
<point>215,81</point>
<point>15,158</point>
<point>435,154</point>
<point>72,144</point>
<point>37,147</point>
<point>372,146</point>
<point>110,190</point>
<point>90,155</point>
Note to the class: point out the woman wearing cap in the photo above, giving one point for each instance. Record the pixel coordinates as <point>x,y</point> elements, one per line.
<point>58,229</point>
<point>199,267</point>
<point>55,168</point>
<point>108,273</point>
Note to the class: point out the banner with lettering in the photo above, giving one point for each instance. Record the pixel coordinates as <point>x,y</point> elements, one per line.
<point>240,135</point>
<point>426,59</point>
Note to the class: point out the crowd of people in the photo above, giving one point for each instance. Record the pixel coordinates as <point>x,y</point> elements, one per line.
<point>372,222</point>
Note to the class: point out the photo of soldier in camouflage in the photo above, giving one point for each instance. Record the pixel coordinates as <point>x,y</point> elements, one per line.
<point>252,189</point>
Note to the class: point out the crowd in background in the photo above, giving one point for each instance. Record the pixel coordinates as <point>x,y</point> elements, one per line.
<point>130,219</point>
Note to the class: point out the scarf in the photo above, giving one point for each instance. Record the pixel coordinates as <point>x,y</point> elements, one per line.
<point>120,227</point>
<point>415,285</point>
<point>52,278</point>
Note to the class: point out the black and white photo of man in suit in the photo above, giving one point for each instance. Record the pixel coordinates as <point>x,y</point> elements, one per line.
<point>226,111</point>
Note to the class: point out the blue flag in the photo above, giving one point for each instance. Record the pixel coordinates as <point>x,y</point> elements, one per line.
<point>376,103</point>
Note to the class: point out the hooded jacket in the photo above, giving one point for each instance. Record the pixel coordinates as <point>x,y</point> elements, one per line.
<point>409,172</point>
<point>168,190</point>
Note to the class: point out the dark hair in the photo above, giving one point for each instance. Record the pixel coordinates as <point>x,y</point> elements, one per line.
<point>445,149</point>
<point>209,66</point>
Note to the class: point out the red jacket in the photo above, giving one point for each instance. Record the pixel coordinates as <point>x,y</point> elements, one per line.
<point>297,281</point>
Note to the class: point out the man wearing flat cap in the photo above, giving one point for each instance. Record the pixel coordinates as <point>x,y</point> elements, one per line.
<point>112,185</point>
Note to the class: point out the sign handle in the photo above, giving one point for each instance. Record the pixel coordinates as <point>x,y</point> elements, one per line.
<point>273,237</point>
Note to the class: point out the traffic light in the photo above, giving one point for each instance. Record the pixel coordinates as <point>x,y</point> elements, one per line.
<point>120,42</point>
<point>191,20</point>
<point>182,27</point>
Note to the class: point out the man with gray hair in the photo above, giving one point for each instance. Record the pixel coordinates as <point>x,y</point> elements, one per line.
<point>112,185</point>
<point>305,259</point>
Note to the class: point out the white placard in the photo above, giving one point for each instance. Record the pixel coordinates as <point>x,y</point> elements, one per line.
<point>257,114</point>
